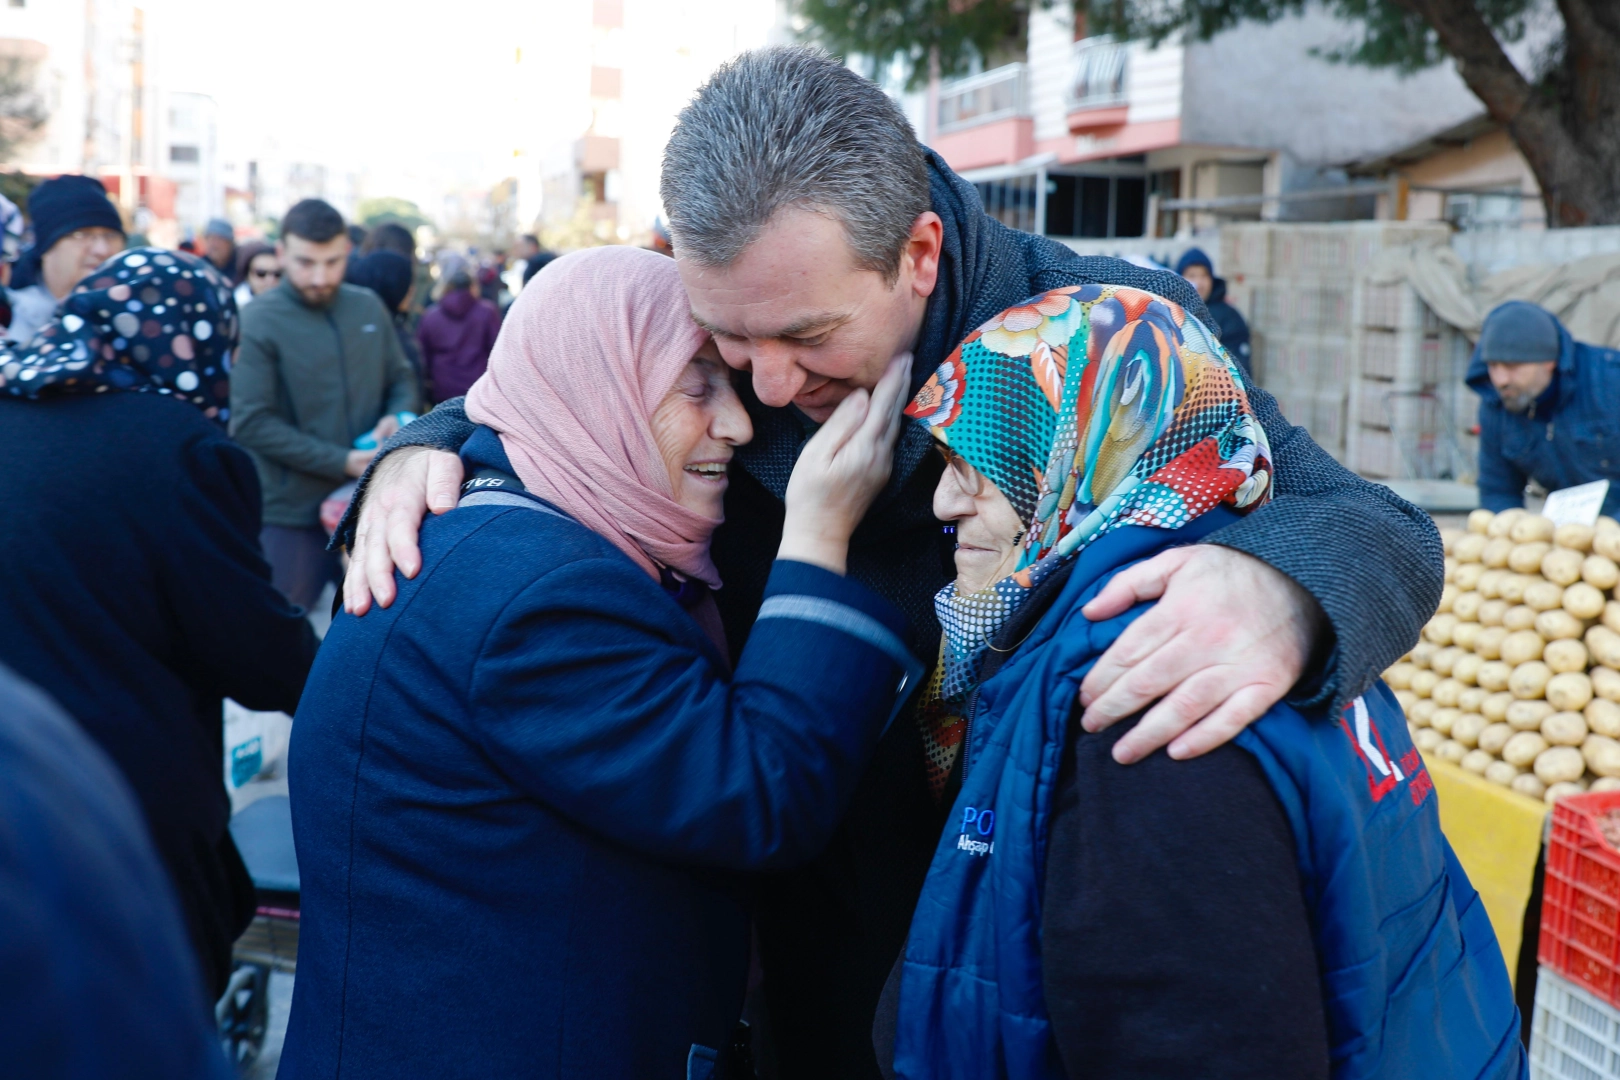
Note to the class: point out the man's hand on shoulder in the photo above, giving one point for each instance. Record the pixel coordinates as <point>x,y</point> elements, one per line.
<point>1228,637</point>
<point>405,485</point>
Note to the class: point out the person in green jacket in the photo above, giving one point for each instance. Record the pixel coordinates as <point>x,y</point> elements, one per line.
<point>319,367</point>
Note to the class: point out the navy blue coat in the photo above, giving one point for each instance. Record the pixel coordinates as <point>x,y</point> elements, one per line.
<point>134,593</point>
<point>522,792</point>
<point>96,975</point>
<point>1570,436</point>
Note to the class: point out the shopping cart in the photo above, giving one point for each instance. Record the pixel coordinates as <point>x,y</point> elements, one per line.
<point>263,834</point>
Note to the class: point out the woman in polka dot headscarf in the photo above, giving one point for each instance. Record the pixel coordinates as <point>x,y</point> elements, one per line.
<point>150,321</point>
<point>134,590</point>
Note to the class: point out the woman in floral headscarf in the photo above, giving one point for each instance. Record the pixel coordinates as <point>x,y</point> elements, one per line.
<point>1254,912</point>
<point>134,590</point>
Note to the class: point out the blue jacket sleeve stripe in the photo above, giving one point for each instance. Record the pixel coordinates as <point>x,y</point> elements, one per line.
<point>857,624</point>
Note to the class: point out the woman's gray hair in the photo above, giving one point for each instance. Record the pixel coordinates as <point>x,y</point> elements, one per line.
<point>790,127</point>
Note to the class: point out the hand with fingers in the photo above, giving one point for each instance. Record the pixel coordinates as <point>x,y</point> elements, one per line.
<point>842,469</point>
<point>410,481</point>
<point>1228,637</point>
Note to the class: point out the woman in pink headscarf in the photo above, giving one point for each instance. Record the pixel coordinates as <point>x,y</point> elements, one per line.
<point>521,793</point>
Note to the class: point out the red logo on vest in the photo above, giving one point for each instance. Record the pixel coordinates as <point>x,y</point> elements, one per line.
<point>1383,771</point>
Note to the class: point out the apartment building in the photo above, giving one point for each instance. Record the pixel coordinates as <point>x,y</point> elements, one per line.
<point>1088,137</point>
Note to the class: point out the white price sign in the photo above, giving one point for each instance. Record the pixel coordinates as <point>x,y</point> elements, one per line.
<point>1578,505</point>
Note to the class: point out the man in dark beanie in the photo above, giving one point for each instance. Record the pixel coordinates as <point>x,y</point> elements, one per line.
<point>219,246</point>
<point>76,229</point>
<point>1549,407</point>
<point>1194,265</point>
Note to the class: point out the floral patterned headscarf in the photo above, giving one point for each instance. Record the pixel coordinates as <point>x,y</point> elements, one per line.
<point>147,320</point>
<point>1089,407</point>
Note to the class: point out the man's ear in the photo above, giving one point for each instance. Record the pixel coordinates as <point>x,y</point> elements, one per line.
<point>922,252</point>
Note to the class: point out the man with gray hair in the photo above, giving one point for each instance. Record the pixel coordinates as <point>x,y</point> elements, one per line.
<point>817,240</point>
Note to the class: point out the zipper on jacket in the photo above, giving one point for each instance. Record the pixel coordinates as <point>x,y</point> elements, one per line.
<point>343,370</point>
<point>1550,430</point>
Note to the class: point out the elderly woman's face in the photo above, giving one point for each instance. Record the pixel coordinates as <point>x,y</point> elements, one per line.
<point>988,530</point>
<point>697,426</point>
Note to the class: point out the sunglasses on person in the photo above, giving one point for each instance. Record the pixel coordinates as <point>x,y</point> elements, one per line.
<point>271,273</point>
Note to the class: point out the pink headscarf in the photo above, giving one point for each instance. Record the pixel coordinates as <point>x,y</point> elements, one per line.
<point>588,350</point>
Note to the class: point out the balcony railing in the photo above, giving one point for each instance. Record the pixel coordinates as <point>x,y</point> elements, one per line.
<point>1097,73</point>
<point>983,99</point>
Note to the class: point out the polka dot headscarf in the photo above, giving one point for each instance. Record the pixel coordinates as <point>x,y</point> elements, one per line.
<point>148,320</point>
<point>1090,408</point>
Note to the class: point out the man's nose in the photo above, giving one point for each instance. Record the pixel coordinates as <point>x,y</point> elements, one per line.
<point>778,378</point>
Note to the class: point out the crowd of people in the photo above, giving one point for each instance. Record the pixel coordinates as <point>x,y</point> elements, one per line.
<point>873,642</point>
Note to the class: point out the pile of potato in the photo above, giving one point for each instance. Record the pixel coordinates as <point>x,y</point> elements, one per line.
<point>1517,677</point>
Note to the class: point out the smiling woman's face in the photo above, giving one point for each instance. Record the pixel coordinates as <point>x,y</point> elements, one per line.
<point>697,426</point>
<point>988,530</point>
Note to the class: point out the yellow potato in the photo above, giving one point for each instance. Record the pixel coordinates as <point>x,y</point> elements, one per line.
<point>1602,755</point>
<point>1468,549</point>
<point>1444,718</point>
<point>1522,646</point>
<point>1604,783</point>
<point>1447,691</point>
<point>1421,652</point>
<point>1495,553</point>
<point>1519,617</point>
<point>1495,707</point>
<point>1423,711</point>
<point>1523,715</point>
<point>1439,628</point>
<point>1500,772</point>
<point>1560,566</point>
<point>1583,601</point>
<point>1449,538</point>
<point>1540,595</point>
<point>1605,683</point>
<point>1598,571</point>
<point>1450,565</point>
<point>1494,737</point>
<point>1603,717</point>
<point>1399,677</point>
<point>1532,528</point>
<point>1490,584</point>
<point>1451,750</point>
<point>1569,691</point>
<point>1558,624</point>
<point>1467,727</point>
<point>1502,524</point>
<point>1527,784</point>
<point>1493,675</point>
<point>1564,655</point>
<point>1605,523</point>
<point>1465,635</point>
<point>1477,761</point>
<point>1529,680</point>
<point>1443,661</point>
<point>1427,739</point>
<point>1559,729</point>
<point>1448,594</point>
<point>1480,520</point>
<point>1488,642</point>
<point>1611,615</point>
<point>1605,542</point>
<point>1466,669</point>
<point>1558,791</point>
<point>1406,699</point>
<point>1574,536</point>
<point>1512,586</point>
<point>1604,645</point>
<point>1559,765</point>
<point>1468,575</point>
<point>1466,605</point>
<point>1523,748</point>
<point>1472,699</point>
<point>1526,558</point>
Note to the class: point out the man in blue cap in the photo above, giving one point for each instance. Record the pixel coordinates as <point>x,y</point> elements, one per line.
<point>1549,407</point>
<point>76,229</point>
<point>219,247</point>
<point>1195,266</point>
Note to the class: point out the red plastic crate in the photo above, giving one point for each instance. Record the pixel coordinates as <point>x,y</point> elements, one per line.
<point>1580,907</point>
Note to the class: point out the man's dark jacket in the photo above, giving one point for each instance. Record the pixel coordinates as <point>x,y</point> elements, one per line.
<point>135,594</point>
<point>1229,321</point>
<point>830,931</point>
<point>1569,436</point>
